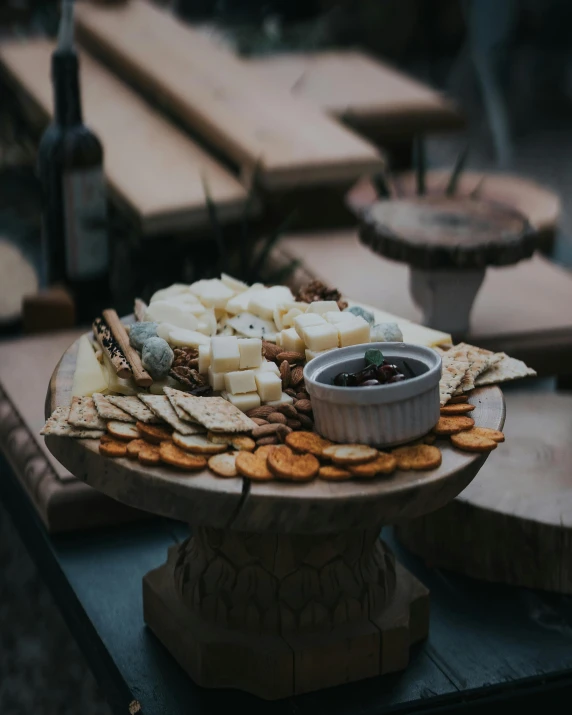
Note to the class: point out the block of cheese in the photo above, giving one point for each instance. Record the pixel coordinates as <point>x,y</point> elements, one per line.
<point>268,366</point>
<point>225,355</point>
<point>239,382</point>
<point>353,332</point>
<point>339,317</point>
<point>246,401</point>
<point>291,341</point>
<point>165,311</point>
<point>284,400</point>
<point>248,325</point>
<point>264,303</point>
<point>207,323</point>
<point>306,320</point>
<point>239,303</point>
<point>269,386</point>
<point>321,337</point>
<point>311,354</point>
<point>323,306</point>
<point>284,313</point>
<point>215,294</point>
<point>171,291</point>
<point>278,339</point>
<point>89,376</point>
<point>250,350</point>
<point>233,283</point>
<point>181,337</point>
<point>117,384</point>
<point>204,358</point>
<point>216,379</point>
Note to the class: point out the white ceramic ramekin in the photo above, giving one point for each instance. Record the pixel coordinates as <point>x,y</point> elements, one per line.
<point>384,415</point>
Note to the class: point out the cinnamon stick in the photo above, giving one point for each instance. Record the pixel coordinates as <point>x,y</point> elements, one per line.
<point>111,348</point>
<point>140,375</point>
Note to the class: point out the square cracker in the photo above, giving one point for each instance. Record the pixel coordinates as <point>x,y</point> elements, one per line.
<point>477,360</point>
<point>162,407</point>
<point>173,394</point>
<point>452,373</point>
<point>109,411</point>
<point>215,413</point>
<point>83,414</point>
<point>57,424</point>
<point>504,370</point>
<point>133,405</point>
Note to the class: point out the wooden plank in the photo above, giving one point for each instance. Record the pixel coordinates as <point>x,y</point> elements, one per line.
<point>522,309</point>
<point>367,93</point>
<point>153,169</point>
<point>217,96</point>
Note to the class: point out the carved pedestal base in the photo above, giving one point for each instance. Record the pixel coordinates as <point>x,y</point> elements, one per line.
<point>446,297</point>
<point>281,615</point>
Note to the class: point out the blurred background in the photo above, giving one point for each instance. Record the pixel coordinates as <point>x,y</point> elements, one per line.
<point>505,65</point>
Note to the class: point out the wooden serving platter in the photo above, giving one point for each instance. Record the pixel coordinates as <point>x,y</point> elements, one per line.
<point>316,507</point>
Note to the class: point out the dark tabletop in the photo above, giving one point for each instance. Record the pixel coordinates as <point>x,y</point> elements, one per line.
<point>487,643</point>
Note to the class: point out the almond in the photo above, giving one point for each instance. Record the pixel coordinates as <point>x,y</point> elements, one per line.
<point>270,350</point>
<point>297,375</point>
<point>304,406</point>
<point>285,374</point>
<point>266,430</point>
<point>287,410</point>
<point>290,392</point>
<point>266,440</point>
<point>294,424</point>
<point>306,422</point>
<point>291,357</point>
<point>262,411</point>
<point>259,421</point>
<point>277,417</point>
<point>302,395</point>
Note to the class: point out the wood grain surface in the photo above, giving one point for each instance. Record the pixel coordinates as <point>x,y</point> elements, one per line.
<point>317,507</point>
<point>153,169</point>
<point>250,121</point>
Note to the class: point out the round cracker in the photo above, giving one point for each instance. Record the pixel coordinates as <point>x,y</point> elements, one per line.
<point>331,473</point>
<point>253,466</point>
<point>113,448</point>
<point>458,399</point>
<point>122,430</point>
<point>453,425</point>
<point>469,441</point>
<point>149,455</point>
<point>418,457</point>
<point>460,409</point>
<point>134,447</point>
<point>494,434</point>
<point>223,465</point>
<point>197,444</point>
<point>284,464</point>
<point>307,442</point>
<point>350,453</point>
<point>244,443</point>
<point>153,433</point>
<point>383,464</point>
<point>176,457</point>
<point>265,449</point>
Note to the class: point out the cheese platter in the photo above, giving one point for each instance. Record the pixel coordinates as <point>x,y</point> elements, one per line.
<point>214,405</point>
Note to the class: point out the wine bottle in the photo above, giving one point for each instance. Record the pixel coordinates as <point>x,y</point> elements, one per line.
<point>70,167</point>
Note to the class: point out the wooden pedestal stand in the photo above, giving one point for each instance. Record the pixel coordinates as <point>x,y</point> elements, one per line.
<point>448,244</point>
<point>282,588</point>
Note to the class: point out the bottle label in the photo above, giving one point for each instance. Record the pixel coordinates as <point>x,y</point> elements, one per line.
<point>85,220</point>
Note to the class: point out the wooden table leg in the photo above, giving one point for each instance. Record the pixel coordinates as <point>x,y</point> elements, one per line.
<point>279,615</point>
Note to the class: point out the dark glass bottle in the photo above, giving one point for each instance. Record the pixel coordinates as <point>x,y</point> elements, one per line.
<point>70,167</point>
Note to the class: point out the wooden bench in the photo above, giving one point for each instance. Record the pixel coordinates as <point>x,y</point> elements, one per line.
<point>153,169</point>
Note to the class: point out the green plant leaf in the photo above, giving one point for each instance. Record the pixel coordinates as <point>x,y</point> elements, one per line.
<point>374,357</point>
<point>451,189</point>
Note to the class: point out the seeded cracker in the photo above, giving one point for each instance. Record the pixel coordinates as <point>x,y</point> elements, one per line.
<point>108,411</point>
<point>173,394</point>
<point>84,415</point>
<point>214,413</point>
<point>478,360</point>
<point>453,372</point>
<point>134,407</point>
<point>505,370</point>
<point>162,407</point>
<point>57,424</point>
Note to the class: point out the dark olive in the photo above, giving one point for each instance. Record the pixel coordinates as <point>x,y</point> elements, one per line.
<point>397,378</point>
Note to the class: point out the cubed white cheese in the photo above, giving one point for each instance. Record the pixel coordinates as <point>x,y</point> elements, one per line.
<point>189,338</point>
<point>164,311</point>
<point>265,302</point>
<point>188,300</point>
<point>339,317</point>
<point>207,323</point>
<point>321,337</point>
<point>269,366</point>
<point>204,358</point>
<point>170,292</point>
<point>284,400</point>
<point>239,382</point>
<point>249,325</point>
<point>311,354</point>
<point>239,303</point>
<point>291,341</point>
<point>353,332</point>
<point>246,401</point>
<point>250,352</point>
<point>269,386</point>
<point>278,339</point>
<point>216,379</point>
<point>233,283</point>
<point>225,355</point>
<point>214,294</point>
<point>305,320</point>
<point>323,306</point>
<point>285,313</point>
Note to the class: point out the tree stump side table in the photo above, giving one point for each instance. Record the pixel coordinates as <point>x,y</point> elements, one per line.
<point>448,243</point>
<point>282,588</point>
